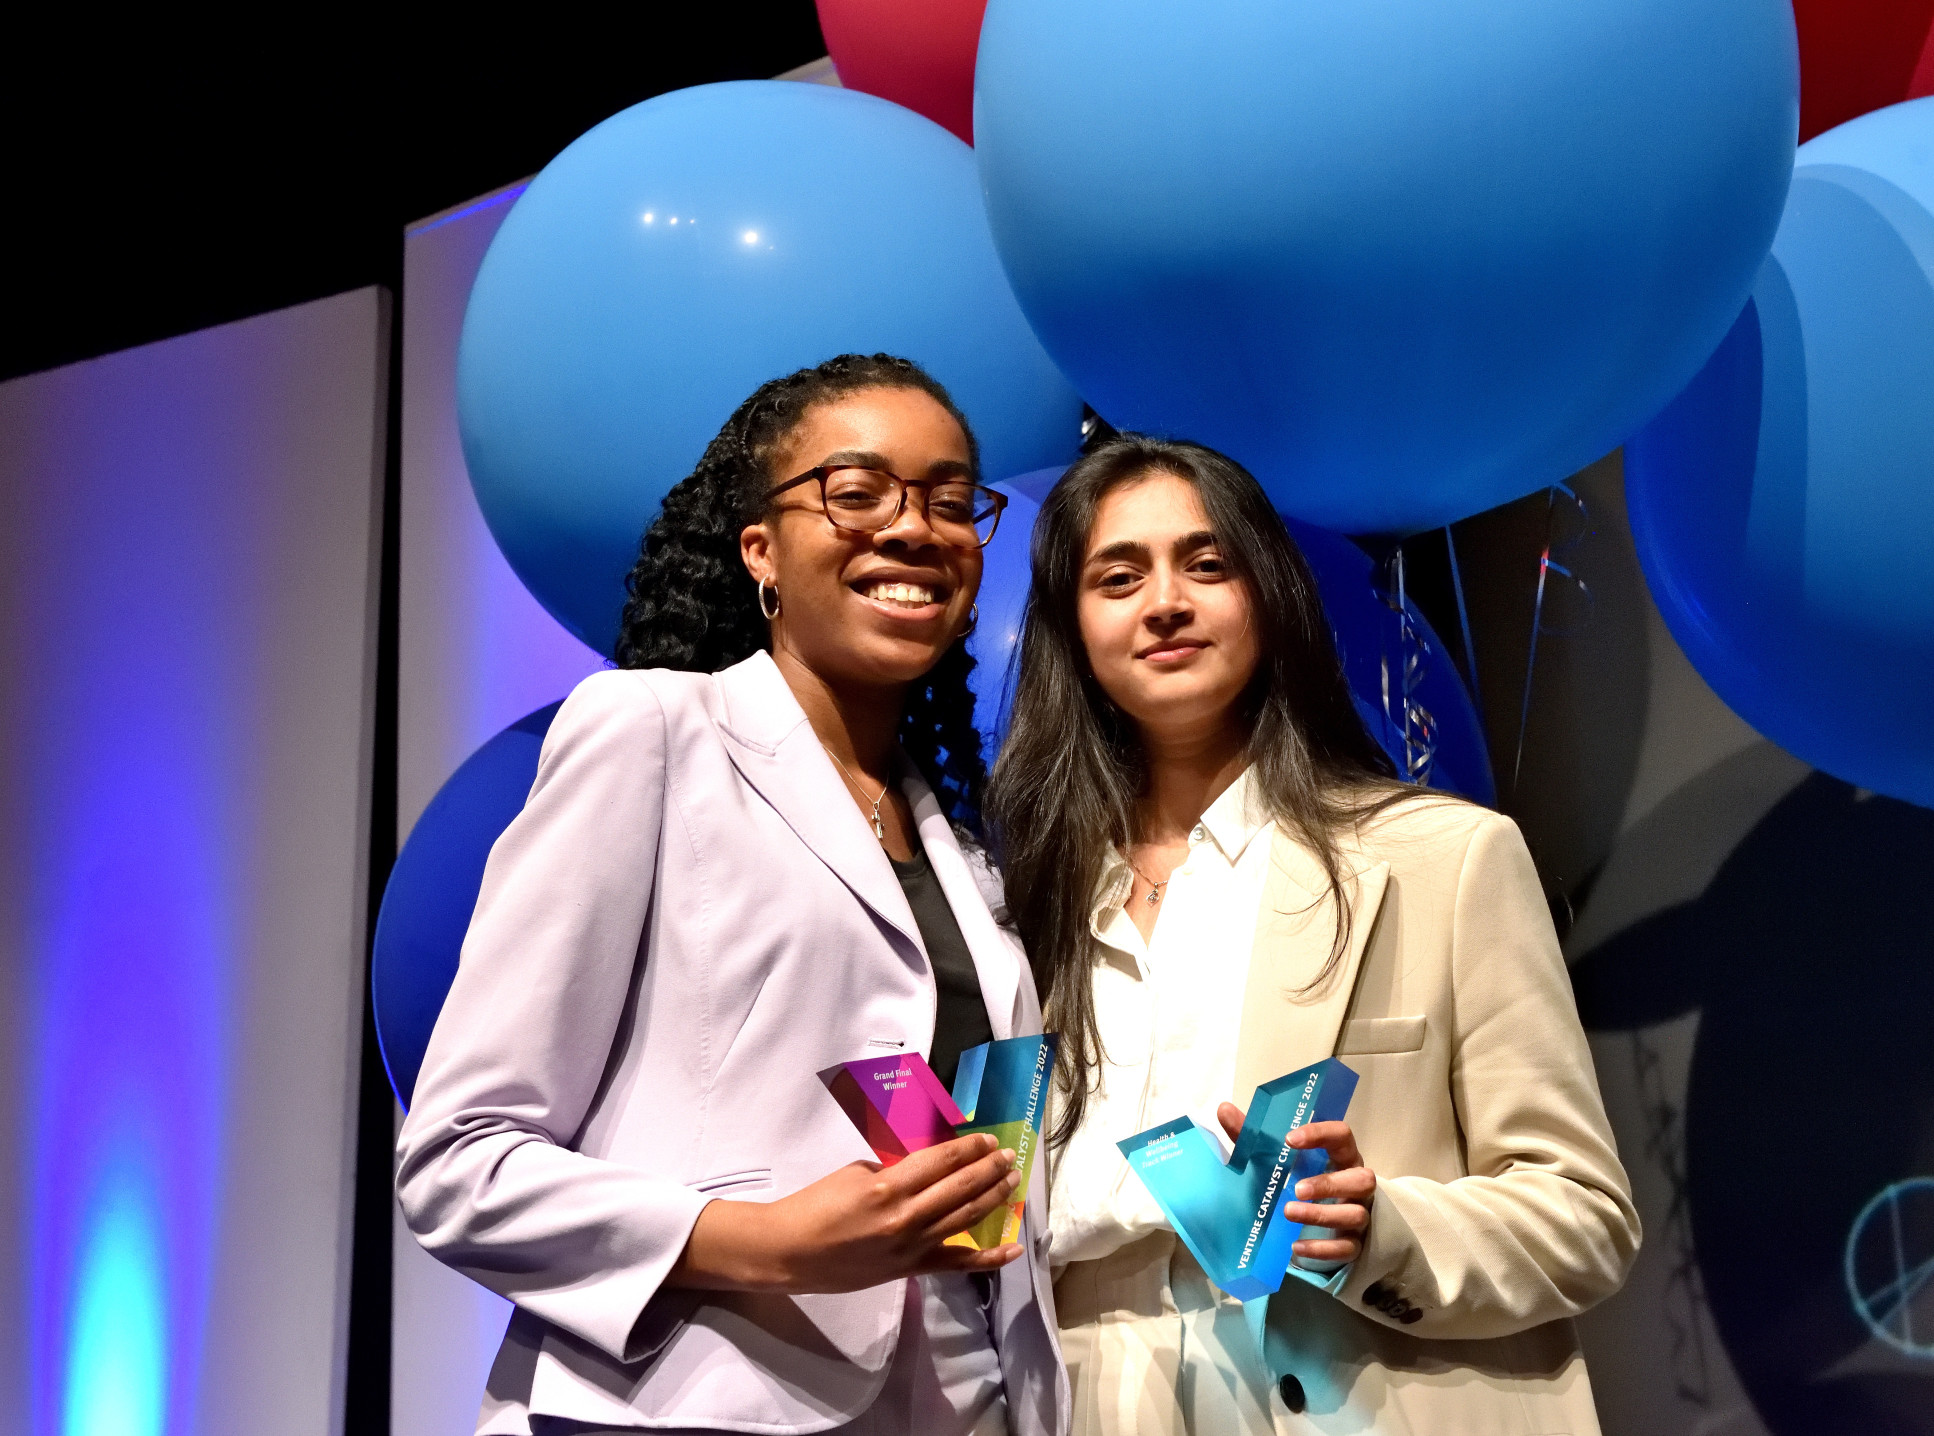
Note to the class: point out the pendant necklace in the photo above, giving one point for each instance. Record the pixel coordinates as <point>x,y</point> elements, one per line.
<point>879,828</point>
<point>1154,888</point>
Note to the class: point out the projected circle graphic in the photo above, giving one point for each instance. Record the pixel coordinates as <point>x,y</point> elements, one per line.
<point>1890,1266</point>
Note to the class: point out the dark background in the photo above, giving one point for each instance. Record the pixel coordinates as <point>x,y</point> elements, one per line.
<point>166,175</point>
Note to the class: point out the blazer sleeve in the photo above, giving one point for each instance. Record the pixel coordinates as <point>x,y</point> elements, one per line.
<point>486,1176</point>
<point>1543,1226</point>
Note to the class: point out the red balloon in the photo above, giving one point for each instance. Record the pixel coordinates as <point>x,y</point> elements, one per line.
<point>1861,55</point>
<point>917,53</point>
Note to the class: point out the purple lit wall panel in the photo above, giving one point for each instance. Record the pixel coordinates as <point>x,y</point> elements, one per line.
<point>476,654</point>
<point>188,539</point>
<point>476,651</point>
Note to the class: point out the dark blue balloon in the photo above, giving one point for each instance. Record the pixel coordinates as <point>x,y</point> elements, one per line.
<point>1370,643</point>
<point>1405,261</point>
<point>433,889</point>
<point>682,253</point>
<point>1004,579</point>
<point>1783,506</point>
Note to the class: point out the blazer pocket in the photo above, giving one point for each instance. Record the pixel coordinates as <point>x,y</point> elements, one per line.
<point>735,1184</point>
<point>1367,1036</point>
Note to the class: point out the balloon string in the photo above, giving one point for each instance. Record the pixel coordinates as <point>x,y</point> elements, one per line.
<point>1547,565</point>
<point>1401,708</point>
<point>1463,619</point>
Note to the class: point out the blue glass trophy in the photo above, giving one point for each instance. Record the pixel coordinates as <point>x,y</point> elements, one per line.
<point>1227,1212</point>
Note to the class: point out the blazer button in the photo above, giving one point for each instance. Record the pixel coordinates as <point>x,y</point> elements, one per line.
<point>1291,1391</point>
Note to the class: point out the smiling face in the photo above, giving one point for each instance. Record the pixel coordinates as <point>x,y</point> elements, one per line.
<point>1165,624</point>
<point>865,610</point>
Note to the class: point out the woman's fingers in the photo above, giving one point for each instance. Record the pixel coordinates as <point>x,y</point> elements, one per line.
<point>865,1224</point>
<point>1345,1217</point>
<point>983,1184</point>
<point>932,1164</point>
<point>1332,1250</point>
<point>1230,1116</point>
<point>1334,1137</point>
<point>1350,1184</point>
<point>966,1259</point>
<point>970,1212</point>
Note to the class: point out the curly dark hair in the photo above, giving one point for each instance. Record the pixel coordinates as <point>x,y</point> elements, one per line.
<point>693,606</point>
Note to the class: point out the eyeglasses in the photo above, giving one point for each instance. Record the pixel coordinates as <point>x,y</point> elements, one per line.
<point>864,501</point>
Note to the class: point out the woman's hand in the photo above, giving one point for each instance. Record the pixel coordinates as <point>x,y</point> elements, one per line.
<point>1347,1189</point>
<point>857,1227</point>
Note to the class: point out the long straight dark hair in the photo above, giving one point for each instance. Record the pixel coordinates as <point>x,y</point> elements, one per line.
<point>1064,790</point>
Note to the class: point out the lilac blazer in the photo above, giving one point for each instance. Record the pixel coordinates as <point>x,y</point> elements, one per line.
<point>688,921</point>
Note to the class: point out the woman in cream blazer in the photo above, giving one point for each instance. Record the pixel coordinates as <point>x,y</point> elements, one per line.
<point>1262,896</point>
<point>730,876</point>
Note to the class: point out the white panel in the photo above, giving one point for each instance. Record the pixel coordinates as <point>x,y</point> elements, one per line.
<point>190,545</point>
<point>476,653</point>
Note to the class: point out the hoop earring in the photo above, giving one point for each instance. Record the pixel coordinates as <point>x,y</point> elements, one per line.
<point>772,612</point>
<point>973,621</point>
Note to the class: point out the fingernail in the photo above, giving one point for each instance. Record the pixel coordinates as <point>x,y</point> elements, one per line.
<point>1303,1189</point>
<point>1007,1155</point>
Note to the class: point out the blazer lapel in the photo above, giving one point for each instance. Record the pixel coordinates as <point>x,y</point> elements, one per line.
<point>776,751</point>
<point>1289,1019</point>
<point>995,962</point>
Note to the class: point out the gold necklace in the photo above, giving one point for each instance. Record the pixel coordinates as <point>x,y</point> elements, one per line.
<point>879,828</point>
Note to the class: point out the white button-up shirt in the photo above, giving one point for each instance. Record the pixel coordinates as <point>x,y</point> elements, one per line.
<point>1169,1009</point>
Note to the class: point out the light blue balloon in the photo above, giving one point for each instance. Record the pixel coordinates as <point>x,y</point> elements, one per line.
<point>1783,506</point>
<point>1405,261</point>
<point>683,252</point>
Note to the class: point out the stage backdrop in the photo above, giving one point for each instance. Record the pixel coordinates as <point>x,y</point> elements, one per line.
<point>475,653</point>
<point>188,563</point>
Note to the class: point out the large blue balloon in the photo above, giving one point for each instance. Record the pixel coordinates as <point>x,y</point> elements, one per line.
<point>1406,260</point>
<point>1366,629</point>
<point>433,888</point>
<point>1783,506</point>
<point>682,253</point>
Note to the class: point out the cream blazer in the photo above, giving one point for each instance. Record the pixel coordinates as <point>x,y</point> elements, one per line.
<point>1501,1209</point>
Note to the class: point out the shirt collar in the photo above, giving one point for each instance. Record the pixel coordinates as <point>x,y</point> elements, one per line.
<point>1233,820</point>
<point>1235,817</point>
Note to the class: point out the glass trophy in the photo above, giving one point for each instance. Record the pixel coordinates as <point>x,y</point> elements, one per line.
<point>1228,1211</point>
<point>1000,1088</point>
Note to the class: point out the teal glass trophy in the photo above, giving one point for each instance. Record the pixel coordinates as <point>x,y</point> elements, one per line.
<point>1228,1212</point>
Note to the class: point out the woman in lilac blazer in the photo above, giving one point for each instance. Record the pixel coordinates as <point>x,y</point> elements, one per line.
<point>741,863</point>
